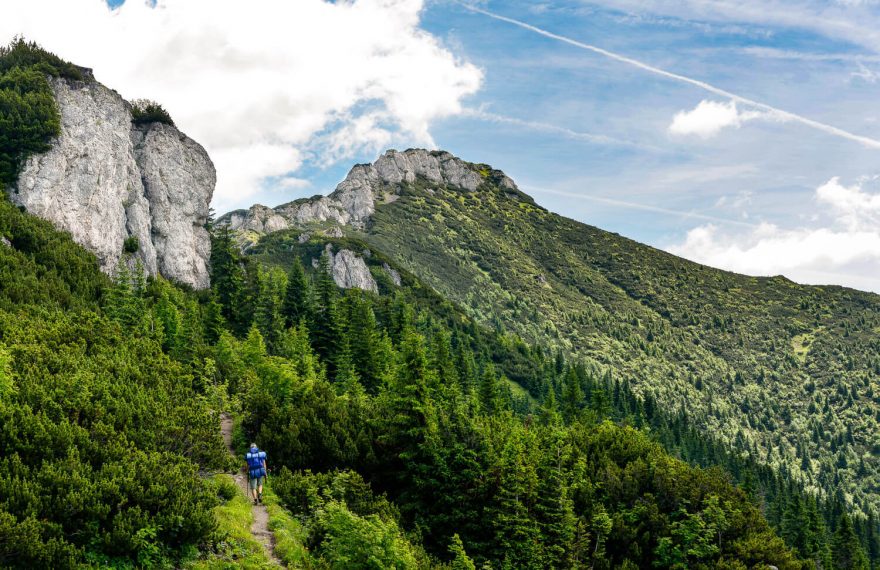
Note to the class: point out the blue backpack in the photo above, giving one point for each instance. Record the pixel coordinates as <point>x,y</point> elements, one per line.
<point>255,460</point>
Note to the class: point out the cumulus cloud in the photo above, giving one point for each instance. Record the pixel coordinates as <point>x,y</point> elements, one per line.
<point>261,84</point>
<point>709,118</point>
<point>845,249</point>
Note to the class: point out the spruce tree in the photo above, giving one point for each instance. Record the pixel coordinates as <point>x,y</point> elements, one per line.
<point>846,548</point>
<point>298,296</point>
<point>227,277</point>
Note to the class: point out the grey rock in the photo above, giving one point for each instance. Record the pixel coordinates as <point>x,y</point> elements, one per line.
<point>395,276</point>
<point>355,198</point>
<point>5,241</point>
<point>348,270</point>
<point>259,219</point>
<point>179,179</point>
<point>104,181</point>
<point>334,232</point>
<point>303,238</point>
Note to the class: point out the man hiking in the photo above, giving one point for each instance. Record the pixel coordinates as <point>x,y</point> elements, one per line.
<point>256,466</point>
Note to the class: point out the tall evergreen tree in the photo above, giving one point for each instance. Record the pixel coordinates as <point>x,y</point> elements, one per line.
<point>847,549</point>
<point>298,296</point>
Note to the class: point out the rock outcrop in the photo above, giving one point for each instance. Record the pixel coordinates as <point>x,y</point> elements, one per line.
<point>355,198</point>
<point>348,269</point>
<point>105,180</point>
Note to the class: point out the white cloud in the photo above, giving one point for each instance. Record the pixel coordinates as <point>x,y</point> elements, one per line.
<point>259,82</point>
<point>844,250</point>
<point>708,118</point>
<point>865,74</point>
<point>853,207</point>
<point>853,21</point>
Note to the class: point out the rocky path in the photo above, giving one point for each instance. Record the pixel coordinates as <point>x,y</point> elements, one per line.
<point>260,526</point>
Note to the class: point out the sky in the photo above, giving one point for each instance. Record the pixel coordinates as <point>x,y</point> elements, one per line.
<point>743,134</point>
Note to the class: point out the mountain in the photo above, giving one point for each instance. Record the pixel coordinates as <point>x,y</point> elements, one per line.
<point>106,178</point>
<point>781,372</point>
<point>404,428</point>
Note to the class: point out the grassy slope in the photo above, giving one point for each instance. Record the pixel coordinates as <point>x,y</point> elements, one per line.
<point>746,357</point>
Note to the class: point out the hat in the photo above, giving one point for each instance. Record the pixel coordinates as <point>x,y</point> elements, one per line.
<point>253,446</point>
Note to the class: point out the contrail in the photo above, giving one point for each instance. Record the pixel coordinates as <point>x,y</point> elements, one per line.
<point>538,126</point>
<point>781,114</point>
<point>637,206</point>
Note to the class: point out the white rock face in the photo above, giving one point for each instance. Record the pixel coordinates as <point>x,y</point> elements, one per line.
<point>178,178</point>
<point>354,200</point>
<point>350,270</point>
<point>104,181</point>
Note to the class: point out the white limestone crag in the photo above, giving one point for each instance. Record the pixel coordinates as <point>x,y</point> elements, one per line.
<point>355,198</point>
<point>349,270</point>
<point>178,178</point>
<point>392,273</point>
<point>105,180</point>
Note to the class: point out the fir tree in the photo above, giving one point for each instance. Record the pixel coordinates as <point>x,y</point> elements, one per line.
<point>298,296</point>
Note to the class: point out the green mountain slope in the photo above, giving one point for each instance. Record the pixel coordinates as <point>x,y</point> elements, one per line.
<point>784,372</point>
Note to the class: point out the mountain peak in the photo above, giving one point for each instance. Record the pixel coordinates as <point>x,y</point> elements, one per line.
<point>355,198</point>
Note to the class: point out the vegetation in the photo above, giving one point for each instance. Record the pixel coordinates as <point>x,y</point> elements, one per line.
<point>784,373</point>
<point>407,433</point>
<point>394,422</point>
<point>28,115</point>
<point>144,111</point>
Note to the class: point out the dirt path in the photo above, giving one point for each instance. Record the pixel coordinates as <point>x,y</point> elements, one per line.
<point>260,526</point>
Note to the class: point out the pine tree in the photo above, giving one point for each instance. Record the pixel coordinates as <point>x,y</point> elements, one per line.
<point>847,549</point>
<point>363,339</point>
<point>443,362</point>
<point>490,390</point>
<point>555,510</point>
<point>516,532</point>
<point>124,301</point>
<point>298,296</point>
<point>268,300</point>
<point>227,278</point>
<point>460,559</point>
<point>572,396</point>
<point>212,318</point>
<point>327,327</point>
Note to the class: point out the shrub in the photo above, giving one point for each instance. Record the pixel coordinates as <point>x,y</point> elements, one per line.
<point>131,244</point>
<point>29,118</point>
<point>144,111</point>
<point>23,54</point>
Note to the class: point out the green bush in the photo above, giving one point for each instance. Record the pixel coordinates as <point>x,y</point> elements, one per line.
<point>131,244</point>
<point>144,111</point>
<point>23,54</point>
<point>28,118</point>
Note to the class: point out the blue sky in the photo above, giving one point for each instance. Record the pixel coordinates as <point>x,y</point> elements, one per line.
<point>288,95</point>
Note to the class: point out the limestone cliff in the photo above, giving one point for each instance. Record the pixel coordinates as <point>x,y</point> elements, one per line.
<point>105,180</point>
<point>355,198</point>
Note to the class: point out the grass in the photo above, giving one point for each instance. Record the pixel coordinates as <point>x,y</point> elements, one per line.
<point>236,547</point>
<point>800,345</point>
<point>289,534</point>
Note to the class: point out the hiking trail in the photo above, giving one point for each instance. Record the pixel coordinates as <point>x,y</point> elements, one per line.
<point>260,526</point>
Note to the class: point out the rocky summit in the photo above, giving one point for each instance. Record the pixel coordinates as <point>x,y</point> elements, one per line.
<point>106,180</point>
<point>355,198</point>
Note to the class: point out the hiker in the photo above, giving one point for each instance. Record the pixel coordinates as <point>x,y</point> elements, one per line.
<point>256,466</point>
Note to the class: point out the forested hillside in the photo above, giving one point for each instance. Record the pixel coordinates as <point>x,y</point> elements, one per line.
<point>782,372</point>
<point>391,421</point>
